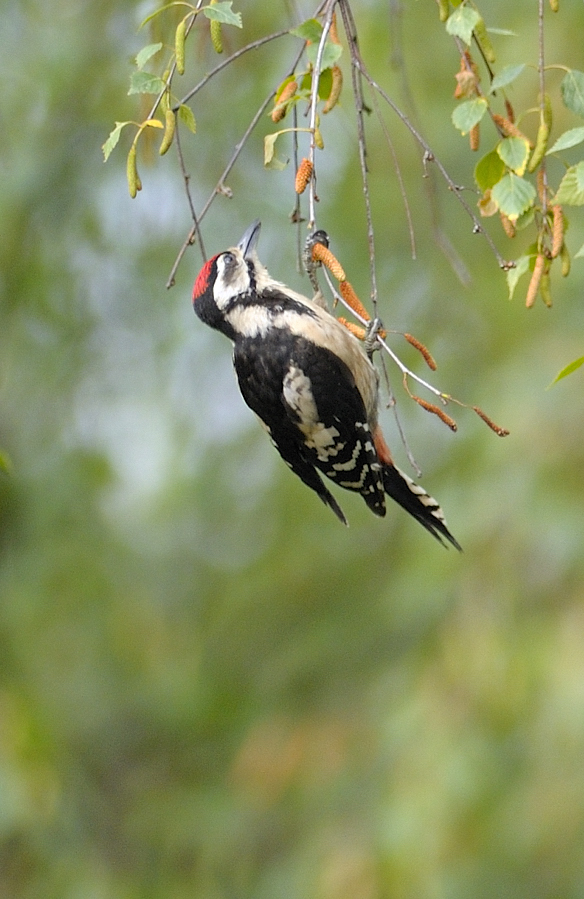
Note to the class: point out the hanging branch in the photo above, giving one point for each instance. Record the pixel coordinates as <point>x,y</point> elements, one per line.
<point>351,33</point>
<point>430,156</point>
<point>313,109</point>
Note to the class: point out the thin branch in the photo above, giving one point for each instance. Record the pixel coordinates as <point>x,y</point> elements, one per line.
<point>399,176</point>
<point>429,156</point>
<point>541,71</point>
<point>218,187</point>
<point>225,62</point>
<point>172,70</point>
<point>186,178</point>
<point>356,71</point>
<point>403,368</point>
<point>313,110</point>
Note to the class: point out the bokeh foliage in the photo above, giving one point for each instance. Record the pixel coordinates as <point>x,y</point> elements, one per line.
<point>209,687</point>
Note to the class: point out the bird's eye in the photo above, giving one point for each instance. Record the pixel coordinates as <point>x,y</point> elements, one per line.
<point>228,259</point>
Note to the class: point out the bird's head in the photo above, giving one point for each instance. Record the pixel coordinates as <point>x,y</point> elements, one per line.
<point>226,277</point>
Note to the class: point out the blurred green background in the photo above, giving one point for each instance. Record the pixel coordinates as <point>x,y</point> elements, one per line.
<point>209,687</point>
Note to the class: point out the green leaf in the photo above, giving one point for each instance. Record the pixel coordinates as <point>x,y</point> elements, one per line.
<point>187,116</point>
<point>145,83</point>
<point>514,151</point>
<point>580,253</point>
<point>505,32</point>
<point>271,159</point>
<point>462,23</point>
<point>489,170</point>
<point>468,114</point>
<point>330,54</point>
<point>571,189</point>
<point>222,12</point>
<point>145,54</point>
<point>505,77</point>
<point>310,30</point>
<point>112,140</point>
<point>514,274</point>
<point>570,138</point>
<point>573,366</point>
<point>513,195</point>
<point>5,462</point>
<point>162,8</point>
<point>572,88</point>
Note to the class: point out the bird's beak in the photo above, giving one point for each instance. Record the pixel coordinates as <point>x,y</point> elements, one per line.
<point>248,242</point>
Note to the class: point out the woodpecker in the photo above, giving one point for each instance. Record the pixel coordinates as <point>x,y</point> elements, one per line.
<point>309,381</point>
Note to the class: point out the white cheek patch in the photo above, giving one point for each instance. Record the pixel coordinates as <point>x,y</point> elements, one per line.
<point>232,278</point>
<point>298,395</point>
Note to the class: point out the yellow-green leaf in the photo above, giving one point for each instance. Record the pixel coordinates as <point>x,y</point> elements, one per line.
<point>570,138</point>
<point>489,170</point>
<point>567,370</point>
<point>514,274</point>
<point>572,88</point>
<point>222,12</point>
<point>187,117</point>
<point>271,160</point>
<point>513,195</point>
<point>113,139</point>
<point>514,152</point>
<point>145,53</point>
<point>468,114</point>
<point>145,83</point>
<point>506,76</point>
<point>571,189</point>
<point>462,23</point>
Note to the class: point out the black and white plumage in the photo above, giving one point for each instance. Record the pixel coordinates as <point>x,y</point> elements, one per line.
<point>310,383</point>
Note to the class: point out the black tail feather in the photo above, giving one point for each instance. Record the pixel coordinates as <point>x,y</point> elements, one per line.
<point>418,503</point>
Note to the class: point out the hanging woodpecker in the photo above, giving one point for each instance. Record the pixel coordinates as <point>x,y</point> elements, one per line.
<point>310,383</point>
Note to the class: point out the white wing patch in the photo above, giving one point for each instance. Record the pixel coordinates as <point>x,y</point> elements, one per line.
<point>298,395</point>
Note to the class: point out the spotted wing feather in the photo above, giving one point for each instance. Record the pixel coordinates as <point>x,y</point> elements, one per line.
<point>324,426</point>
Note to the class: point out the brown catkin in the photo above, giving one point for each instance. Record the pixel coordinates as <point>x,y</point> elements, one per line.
<point>475,137</point>
<point>333,33</point>
<point>320,253</point>
<point>508,226</point>
<point>281,107</point>
<point>350,297</point>
<point>358,331</point>
<point>436,410</point>
<point>533,288</point>
<point>303,176</point>
<point>502,432</point>
<point>428,358</point>
<point>508,128</point>
<point>557,231</point>
<point>510,111</point>
<point>336,88</point>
